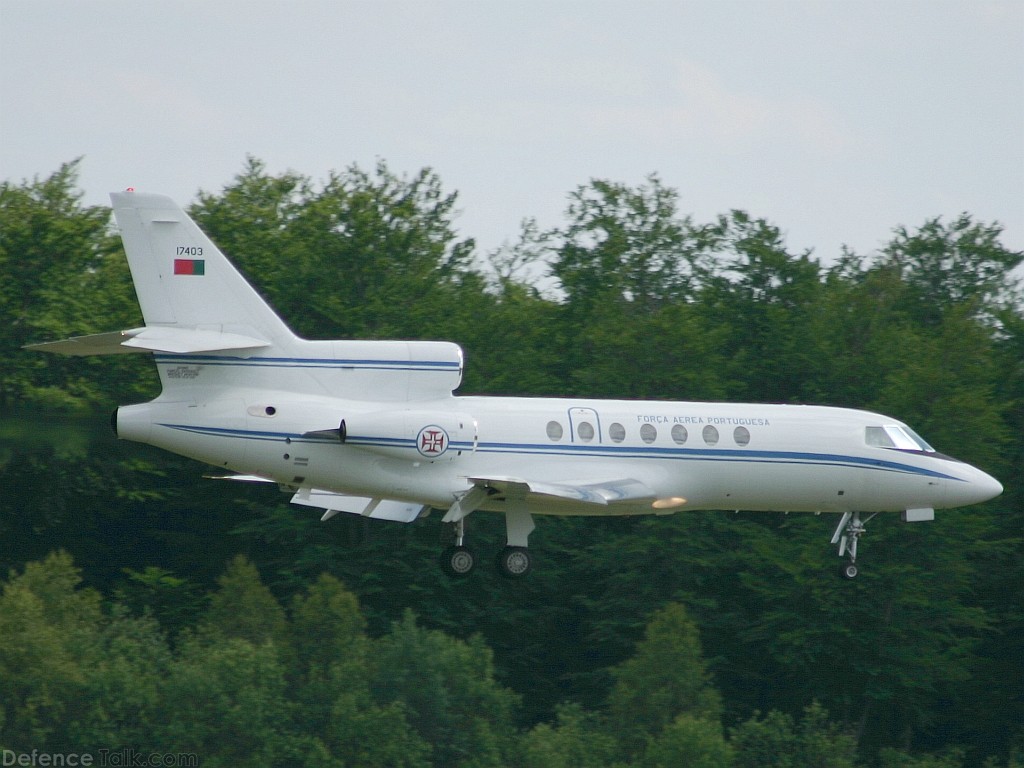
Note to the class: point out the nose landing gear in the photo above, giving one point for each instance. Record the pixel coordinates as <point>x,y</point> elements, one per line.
<point>848,532</point>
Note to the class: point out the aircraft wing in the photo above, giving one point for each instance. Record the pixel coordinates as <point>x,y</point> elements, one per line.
<point>602,493</point>
<point>377,509</point>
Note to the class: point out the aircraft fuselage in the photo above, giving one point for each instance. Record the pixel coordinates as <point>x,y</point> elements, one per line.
<point>692,455</point>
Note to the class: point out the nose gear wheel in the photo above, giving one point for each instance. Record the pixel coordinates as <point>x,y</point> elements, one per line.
<point>847,534</point>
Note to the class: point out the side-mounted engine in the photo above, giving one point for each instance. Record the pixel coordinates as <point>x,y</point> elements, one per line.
<point>409,434</point>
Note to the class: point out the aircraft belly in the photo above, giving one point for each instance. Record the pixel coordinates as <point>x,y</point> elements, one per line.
<point>818,487</point>
<point>776,487</point>
<point>352,471</point>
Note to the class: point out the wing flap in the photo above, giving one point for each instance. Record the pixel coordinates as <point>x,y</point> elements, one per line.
<point>376,509</point>
<point>603,493</point>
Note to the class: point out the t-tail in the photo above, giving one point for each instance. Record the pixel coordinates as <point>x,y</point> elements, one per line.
<point>186,286</point>
<point>208,328</point>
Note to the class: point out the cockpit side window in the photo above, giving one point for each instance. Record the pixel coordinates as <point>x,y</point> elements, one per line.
<point>921,444</point>
<point>895,436</point>
<point>877,437</point>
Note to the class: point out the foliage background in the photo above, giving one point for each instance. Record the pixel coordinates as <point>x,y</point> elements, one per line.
<point>144,609</point>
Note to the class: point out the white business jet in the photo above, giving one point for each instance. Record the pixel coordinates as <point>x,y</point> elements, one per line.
<point>373,428</point>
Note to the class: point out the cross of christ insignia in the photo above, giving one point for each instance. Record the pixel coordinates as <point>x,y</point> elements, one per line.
<point>433,441</point>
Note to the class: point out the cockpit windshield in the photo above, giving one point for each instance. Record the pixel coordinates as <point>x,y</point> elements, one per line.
<point>896,436</point>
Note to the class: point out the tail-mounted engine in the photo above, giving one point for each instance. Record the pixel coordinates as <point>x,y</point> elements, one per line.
<point>414,435</point>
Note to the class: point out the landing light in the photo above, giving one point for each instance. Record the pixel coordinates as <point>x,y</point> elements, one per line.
<point>670,503</point>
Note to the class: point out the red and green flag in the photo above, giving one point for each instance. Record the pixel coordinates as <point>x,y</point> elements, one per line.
<point>190,266</point>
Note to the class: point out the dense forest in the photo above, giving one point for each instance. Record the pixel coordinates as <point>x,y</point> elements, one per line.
<point>147,609</point>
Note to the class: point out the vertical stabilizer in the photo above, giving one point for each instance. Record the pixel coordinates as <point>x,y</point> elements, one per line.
<point>182,279</point>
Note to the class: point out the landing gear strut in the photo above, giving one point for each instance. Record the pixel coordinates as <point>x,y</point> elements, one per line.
<point>848,532</point>
<point>458,560</point>
<point>513,561</point>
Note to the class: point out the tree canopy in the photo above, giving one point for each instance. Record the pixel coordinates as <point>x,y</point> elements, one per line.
<point>144,609</point>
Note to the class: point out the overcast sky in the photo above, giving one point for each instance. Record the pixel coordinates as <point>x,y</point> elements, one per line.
<point>837,121</point>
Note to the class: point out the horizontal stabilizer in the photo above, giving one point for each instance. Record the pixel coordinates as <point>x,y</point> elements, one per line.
<point>377,509</point>
<point>174,340</point>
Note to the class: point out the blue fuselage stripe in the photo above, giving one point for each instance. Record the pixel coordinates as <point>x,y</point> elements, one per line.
<point>309,362</point>
<point>620,452</point>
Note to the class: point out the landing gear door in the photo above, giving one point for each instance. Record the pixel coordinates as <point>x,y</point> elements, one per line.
<point>584,425</point>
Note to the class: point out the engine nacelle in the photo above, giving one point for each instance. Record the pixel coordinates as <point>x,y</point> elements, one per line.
<point>413,435</point>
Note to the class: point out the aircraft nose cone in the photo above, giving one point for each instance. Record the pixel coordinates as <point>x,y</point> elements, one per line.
<point>988,487</point>
<point>978,487</point>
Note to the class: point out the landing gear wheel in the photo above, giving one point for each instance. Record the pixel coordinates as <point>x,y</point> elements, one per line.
<point>514,562</point>
<point>457,562</point>
<point>848,570</point>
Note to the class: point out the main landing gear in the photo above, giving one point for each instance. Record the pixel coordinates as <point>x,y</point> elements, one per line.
<point>848,532</point>
<point>513,561</point>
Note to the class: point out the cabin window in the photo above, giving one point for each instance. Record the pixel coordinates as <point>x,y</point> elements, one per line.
<point>585,430</point>
<point>554,431</point>
<point>741,435</point>
<point>679,434</point>
<point>617,432</point>
<point>648,433</point>
<point>710,435</point>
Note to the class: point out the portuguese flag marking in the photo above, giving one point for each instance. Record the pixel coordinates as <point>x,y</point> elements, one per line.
<point>189,267</point>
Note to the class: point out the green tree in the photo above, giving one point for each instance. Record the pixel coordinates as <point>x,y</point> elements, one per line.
<point>331,682</point>
<point>762,299</point>
<point>44,624</point>
<point>665,678</point>
<point>947,265</point>
<point>360,734</point>
<point>691,741</point>
<point>327,625</point>
<point>173,601</point>
<point>577,739</point>
<point>74,676</point>
<point>62,276</point>
<point>225,698</point>
<point>448,689</point>
<point>892,758</point>
<point>631,267</point>
<point>121,699</point>
<point>626,244</point>
<point>778,741</point>
<point>369,255</point>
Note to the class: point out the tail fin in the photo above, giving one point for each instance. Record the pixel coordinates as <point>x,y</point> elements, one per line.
<point>181,278</point>
<point>207,326</point>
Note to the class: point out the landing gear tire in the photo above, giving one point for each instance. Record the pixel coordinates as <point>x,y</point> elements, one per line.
<point>514,562</point>
<point>848,570</point>
<point>457,562</point>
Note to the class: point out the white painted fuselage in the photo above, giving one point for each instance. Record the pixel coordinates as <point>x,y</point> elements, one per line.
<point>690,455</point>
<point>374,428</point>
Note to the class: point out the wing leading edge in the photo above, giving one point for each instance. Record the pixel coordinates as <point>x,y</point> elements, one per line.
<point>606,493</point>
<point>603,494</point>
